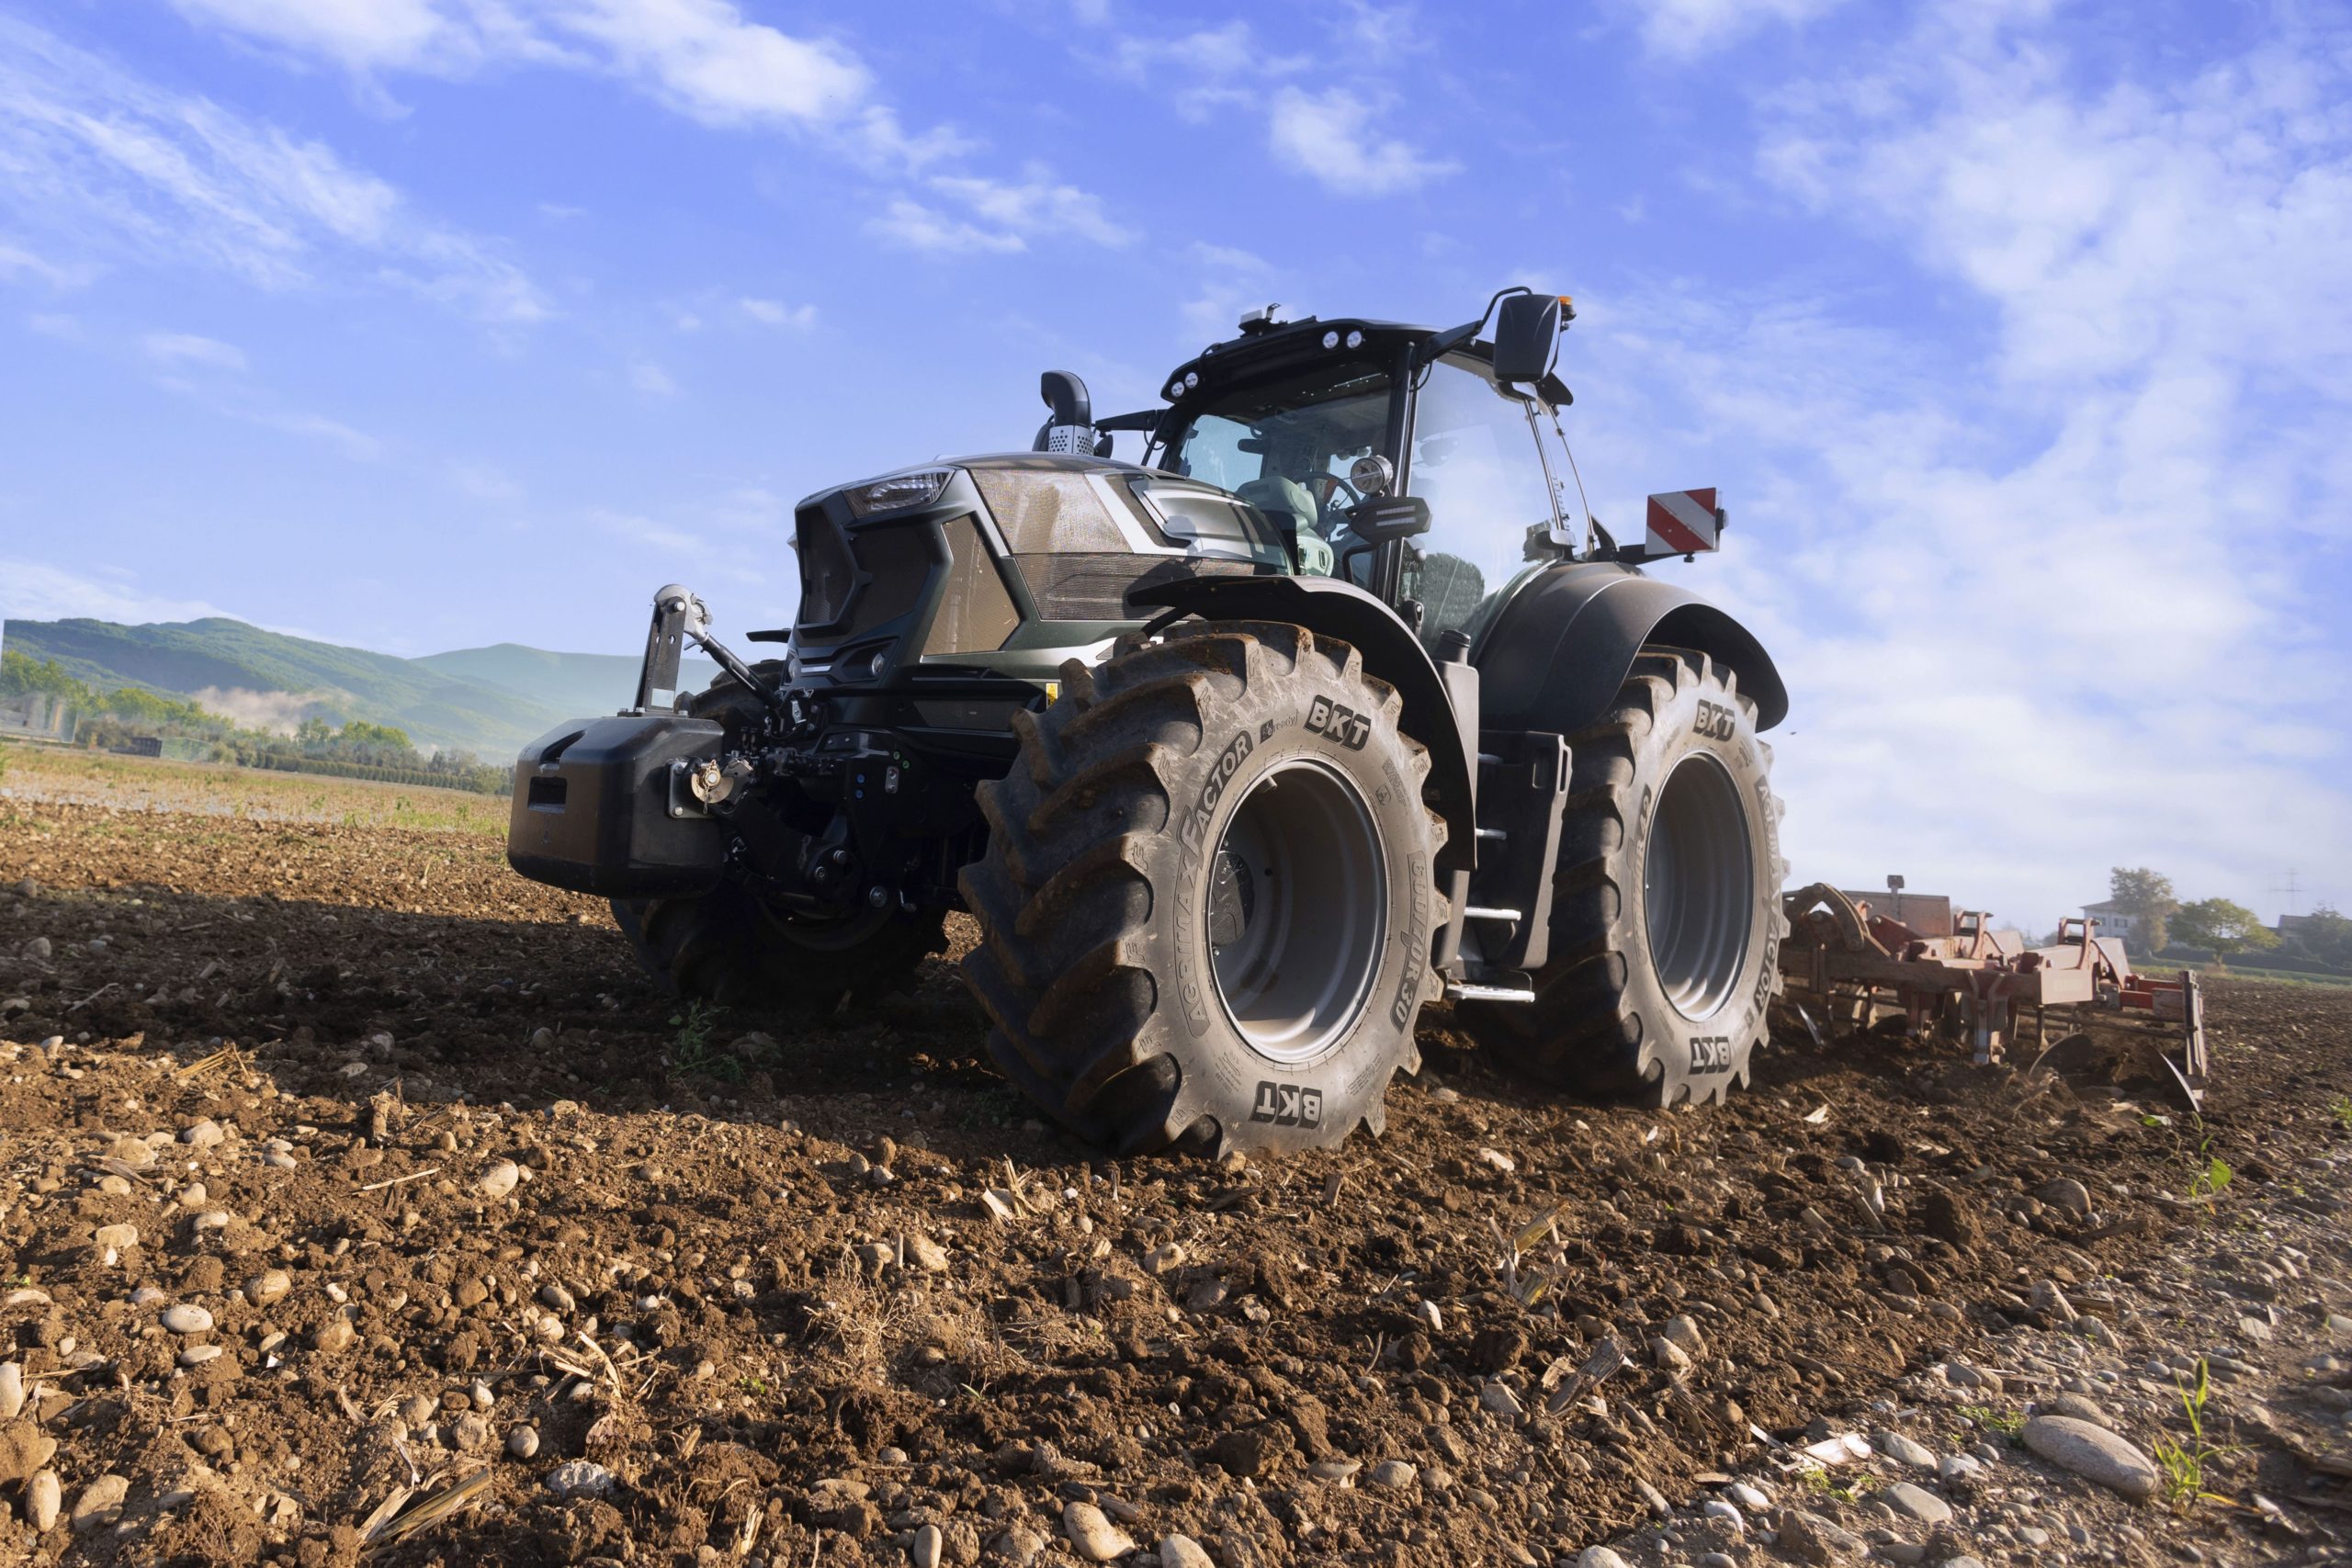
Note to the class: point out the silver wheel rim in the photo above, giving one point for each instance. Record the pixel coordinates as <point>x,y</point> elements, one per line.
<point>1699,885</point>
<point>1297,910</point>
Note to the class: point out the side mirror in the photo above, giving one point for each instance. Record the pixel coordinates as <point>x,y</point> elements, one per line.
<point>1389,517</point>
<point>1527,338</point>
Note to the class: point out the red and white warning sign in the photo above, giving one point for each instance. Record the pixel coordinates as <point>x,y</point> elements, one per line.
<point>1684,523</point>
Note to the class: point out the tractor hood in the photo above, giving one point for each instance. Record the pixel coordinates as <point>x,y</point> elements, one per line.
<point>968,556</point>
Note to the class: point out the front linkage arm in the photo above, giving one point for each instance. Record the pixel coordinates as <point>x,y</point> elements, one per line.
<point>679,613</point>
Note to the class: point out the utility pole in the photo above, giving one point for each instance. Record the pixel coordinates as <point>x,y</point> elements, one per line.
<point>2291,888</point>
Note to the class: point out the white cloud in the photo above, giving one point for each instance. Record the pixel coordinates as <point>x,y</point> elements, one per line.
<point>916,227</point>
<point>34,591</point>
<point>355,444</point>
<point>1687,28</point>
<point>187,348</point>
<point>1330,136</point>
<point>1037,206</point>
<point>651,379</point>
<point>107,165</point>
<point>484,482</point>
<point>775,313</point>
<point>2052,597</point>
<point>707,61</point>
<point>645,531</point>
<point>17,262</point>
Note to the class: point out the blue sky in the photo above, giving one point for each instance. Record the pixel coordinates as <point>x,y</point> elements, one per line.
<point>2015,334</point>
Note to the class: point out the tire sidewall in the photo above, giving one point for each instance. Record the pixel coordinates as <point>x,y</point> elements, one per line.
<point>1260,1102</point>
<point>1703,717</point>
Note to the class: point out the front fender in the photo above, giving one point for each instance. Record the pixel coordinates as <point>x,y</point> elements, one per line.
<point>1555,655</point>
<point>1341,610</point>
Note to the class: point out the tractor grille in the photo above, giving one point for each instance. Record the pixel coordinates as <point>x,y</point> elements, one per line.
<point>827,570</point>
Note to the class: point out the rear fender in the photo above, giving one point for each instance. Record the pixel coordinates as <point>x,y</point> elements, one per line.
<point>1341,610</point>
<point>1555,655</point>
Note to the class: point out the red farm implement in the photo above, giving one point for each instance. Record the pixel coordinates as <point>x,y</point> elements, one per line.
<point>1953,973</point>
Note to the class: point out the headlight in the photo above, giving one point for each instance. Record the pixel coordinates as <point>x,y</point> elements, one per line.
<point>918,487</point>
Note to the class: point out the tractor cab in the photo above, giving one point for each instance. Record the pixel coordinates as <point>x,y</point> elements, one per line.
<point>1397,457</point>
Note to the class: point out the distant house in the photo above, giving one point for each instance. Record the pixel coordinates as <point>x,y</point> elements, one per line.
<point>2116,921</point>
<point>2293,925</point>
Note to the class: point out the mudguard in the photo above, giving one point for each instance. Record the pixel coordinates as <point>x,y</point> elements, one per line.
<point>1556,654</point>
<point>1390,650</point>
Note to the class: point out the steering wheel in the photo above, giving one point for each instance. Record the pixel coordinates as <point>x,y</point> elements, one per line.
<point>1321,488</point>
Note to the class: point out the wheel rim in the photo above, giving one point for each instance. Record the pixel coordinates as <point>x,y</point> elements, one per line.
<point>1297,910</point>
<point>1699,885</point>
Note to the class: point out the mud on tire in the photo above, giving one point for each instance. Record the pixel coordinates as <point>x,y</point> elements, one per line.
<point>727,947</point>
<point>1666,904</point>
<point>1208,896</point>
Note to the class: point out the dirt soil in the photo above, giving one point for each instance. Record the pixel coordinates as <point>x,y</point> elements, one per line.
<point>473,1214</point>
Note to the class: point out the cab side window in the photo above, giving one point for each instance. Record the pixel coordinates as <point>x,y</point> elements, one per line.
<point>1475,461</point>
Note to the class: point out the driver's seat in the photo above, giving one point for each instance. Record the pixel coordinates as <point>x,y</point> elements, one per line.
<point>1291,508</point>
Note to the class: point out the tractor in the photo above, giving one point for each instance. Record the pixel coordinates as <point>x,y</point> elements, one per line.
<point>1323,707</point>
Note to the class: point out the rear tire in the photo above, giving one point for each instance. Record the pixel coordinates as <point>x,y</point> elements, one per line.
<point>1666,904</point>
<point>1208,895</point>
<point>729,948</point>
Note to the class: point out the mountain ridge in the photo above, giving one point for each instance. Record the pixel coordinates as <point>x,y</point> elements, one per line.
<point>489,701</point>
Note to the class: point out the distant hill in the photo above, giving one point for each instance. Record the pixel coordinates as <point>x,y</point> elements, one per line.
<point>578,684</point>
<point>487,700</point>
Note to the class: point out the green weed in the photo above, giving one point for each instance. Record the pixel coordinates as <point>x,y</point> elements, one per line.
<point>2008,1423</point>
<point>2183,1463</point>
<point>693,1054</point>
<point>2341,1109</point>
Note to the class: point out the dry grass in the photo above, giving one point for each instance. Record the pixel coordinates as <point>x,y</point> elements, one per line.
<point>31,772</point>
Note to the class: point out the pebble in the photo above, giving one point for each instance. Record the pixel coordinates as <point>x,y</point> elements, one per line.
<point>1392,1473</point>
<point>335,1334</point>
<point>499,1179</point>
<point>269,1287</point>
<point>39,947</point>
<point>1716,1508</point>
<point>1096,1539</point>
<point>927,1546</point>
<point>2075,1406</point>
<point>185,1318</point>
<point>470,1432</point>
<point>1748,1497</point>
<point>2066,1194</point>
<point>1670,1356</point>
<point>1334,1469</point>
<point>12,1389</point>
<point>203,1134</point>
<point>122,1238</point>
<point>197,1355</point>
<point>2094,1453</point>
<point>1682,1333</point>
<point>555,1298</point>
<point>43,1498</point>
<point>1815,1539</point>
<point>1896,1446</point>
<point>1499,1398</point>
<point>1161,1260</point>
<point>926,1254</point>
<point>1599,1557</point>
<point>580,1478</point>
<point>1960,1470</point>
<point>523,1442</point>
<point>1915,1501</point>
<point>100,1503</point>
<point>1183,1552</point>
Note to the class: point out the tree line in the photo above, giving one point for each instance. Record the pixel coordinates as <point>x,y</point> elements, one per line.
<point>2221,927</point>
<point>112,719</point>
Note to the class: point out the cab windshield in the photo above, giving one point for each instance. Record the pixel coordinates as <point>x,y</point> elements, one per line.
<point>1284,447</point>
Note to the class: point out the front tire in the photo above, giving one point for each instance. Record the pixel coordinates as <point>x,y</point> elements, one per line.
<point>1208,895</point>
<point>729,948</point>
<point>1665,904</point>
